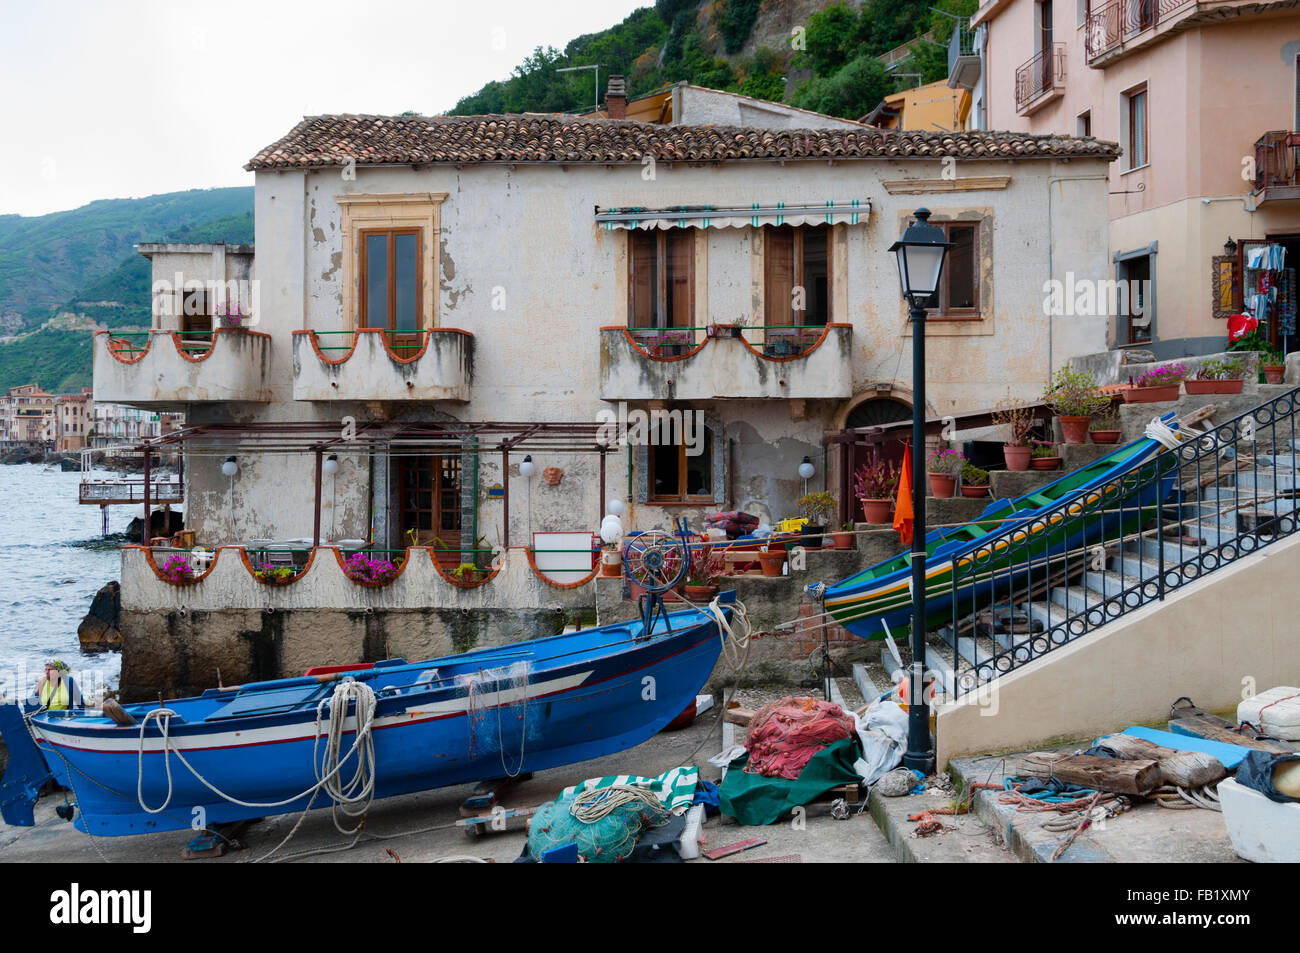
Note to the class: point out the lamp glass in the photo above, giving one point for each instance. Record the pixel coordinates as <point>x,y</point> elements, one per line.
<point>330,466</point>
<point>922,264</point>
<point>806,469</point>
<point>615,507</point>
<point>230,468</point>
<point>527,468</point>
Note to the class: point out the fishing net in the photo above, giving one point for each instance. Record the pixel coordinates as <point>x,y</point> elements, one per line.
<point>785,734</point>
<point>503,692</point>
<point>604,823</point>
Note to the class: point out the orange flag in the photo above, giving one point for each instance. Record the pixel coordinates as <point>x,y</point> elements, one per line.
<point>903,505</point>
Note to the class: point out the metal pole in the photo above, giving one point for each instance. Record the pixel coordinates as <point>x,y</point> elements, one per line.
<point>315,533</point>
<point>601,515</point>
<point>144,533</point>
<point>505,498</point>
<point>919,754</point>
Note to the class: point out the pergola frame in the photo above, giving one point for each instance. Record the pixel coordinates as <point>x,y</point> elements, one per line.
<point>384,437</point>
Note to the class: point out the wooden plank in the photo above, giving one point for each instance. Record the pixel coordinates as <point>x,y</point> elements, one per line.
<point>1109,774</point>
<point>741,845</point>
<point>738,716</point>
<point>1203,726</point>
<point>1190,769</point>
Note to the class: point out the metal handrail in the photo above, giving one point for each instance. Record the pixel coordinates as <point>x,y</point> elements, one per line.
<point>1119,21</point>
<point>1171,520</point>
<point>386,331</point>
<point>1044,72</point>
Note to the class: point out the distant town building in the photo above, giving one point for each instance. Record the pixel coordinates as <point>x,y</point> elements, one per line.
<point>74,420</point>
<point>30,415</point>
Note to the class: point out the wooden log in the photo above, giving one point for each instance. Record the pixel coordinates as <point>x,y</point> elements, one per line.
<point>1189,769</point>
<point>1203,726</point>
<point>1109,774</point>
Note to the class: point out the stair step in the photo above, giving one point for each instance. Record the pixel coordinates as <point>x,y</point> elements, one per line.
<point>1136,566</point>
<point>1174,552</point>
<point>967,646</point>
<point>1077,600</point>
<point>945,677</point>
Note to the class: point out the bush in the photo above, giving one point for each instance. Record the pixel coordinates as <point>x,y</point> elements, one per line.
<point>816,508</point>
<point>972,475</point>
<point>1073,393</point>
<point>875,481</point>
<point>945,462</point>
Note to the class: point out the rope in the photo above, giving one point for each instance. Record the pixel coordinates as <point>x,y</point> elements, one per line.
<point>1178,798</point>
<point>590,806</point>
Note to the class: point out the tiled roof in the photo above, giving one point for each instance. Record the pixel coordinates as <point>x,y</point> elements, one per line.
<point>321,141</point>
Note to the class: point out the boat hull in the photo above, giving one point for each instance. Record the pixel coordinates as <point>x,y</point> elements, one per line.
<point>881,603</point>
<point>584,698</point>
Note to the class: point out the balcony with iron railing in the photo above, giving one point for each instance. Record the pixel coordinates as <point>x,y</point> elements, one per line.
<point>1277,166</point>
<point>1115,26</point>
<point>374,364</point>
<point>963,60</point>
<point>723,361</point>
<point>1041,80</point>
<point>166,368</point>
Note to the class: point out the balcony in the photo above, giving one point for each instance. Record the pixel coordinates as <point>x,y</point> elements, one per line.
<point>726,362</point>
<point>1116,26</point>
<point>963,61</point>
<point>162,369</point>
<point>1041,80</point>
<point>104,492</point>
<point>1277,167</point>
<point>373,364</point>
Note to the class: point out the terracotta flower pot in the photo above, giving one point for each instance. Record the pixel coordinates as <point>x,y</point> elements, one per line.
<point>1106,436</point>
<point>974,492</point>
<point>552,476</point>
<point>943,485</point>
<point>1214,387</point>
<point>1273,373</point>
<point>699,594</point>
<point>1017,457</point>
<point>876,511</point>
<point>1150,395</point>
<point>1046,463</point>
<point>1075,429</point>
<point>772,561</point>
<point>842,539</point>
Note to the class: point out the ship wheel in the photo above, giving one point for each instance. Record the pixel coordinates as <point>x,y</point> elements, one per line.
<point>657,562</point>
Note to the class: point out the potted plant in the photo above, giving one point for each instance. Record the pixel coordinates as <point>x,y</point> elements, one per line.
<point>816,508</point>
<point>772,559</point>
<point>974,481</point>
<point>874,484</point>
<point>943,466</point>
<point>363,568</point>
<point>467,572</point>
<point>1019,419</point>
<point>1217,376</point>
<point>1044,457</point>
<point>1106,428</point>
<point>1156,385</point>
<point>843,537</point>
<point>706,568</point>
<point>1073,395</point>
<point>177,570</point>
<point>274,575</point>
<point>1273,364</point>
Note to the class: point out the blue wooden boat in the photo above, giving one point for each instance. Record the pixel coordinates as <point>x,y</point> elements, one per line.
<point>1011,540</point>
<point>484,714</point>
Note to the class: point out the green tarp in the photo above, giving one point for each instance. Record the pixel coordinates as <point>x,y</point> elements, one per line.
<point>753,799</point>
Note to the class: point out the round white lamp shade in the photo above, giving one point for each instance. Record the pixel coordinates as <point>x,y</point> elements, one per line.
<point>611,529</point>
<point>330,466</point>
<point>230,467</point>
<point>527,468</point>
<point>806,468</point>
<point>615,507</point>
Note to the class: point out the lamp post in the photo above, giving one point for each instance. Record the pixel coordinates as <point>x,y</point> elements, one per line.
<point>526,470</point>
<point>806,470</point>
<point>920,254</point>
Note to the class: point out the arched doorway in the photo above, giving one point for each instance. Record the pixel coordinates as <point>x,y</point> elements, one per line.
<point>857,451</point>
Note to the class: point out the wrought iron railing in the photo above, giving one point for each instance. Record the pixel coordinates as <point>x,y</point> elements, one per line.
<point>1121,20</point>
<point>1043,580</point>
<point>961,43</point>
<point>130,491</point>
<point>1277,157</point>
<point>1042,74</point>
<point>786,340</point>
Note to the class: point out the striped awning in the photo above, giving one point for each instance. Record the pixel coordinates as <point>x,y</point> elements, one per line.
<point>853,212</point>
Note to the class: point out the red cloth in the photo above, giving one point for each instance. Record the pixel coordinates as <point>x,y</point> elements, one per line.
<point>784,735</point>
<point>903,505</point>
<point>1239,325</point>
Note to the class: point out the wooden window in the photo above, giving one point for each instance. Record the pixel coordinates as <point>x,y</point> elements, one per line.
<point>1138,110</point>
<point>958,297</point>
<point>796,276</point>
<point>661,282</point>
<point>1135,325</point>
<point>391,281</point>
<point>674,475</point>
<point>1084,124</point>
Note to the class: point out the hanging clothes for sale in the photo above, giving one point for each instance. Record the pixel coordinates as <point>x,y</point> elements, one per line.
<point>1286,302</point>
<point>1267,258</point>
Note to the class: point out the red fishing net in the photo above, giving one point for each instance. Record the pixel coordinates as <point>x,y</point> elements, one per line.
<point>785,734</point>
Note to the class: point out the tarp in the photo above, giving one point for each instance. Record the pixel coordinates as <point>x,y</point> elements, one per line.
<point>675,788</point>
<point>755,800</point>
<point>1229,755</point>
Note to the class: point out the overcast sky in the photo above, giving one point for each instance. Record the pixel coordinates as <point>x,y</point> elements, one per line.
<point>126,98</point>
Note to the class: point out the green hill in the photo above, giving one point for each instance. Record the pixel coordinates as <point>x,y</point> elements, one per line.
<point>48,261</point>
<point>817,54</point>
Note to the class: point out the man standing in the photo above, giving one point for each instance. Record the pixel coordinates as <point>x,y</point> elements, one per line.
<point>57,689</point>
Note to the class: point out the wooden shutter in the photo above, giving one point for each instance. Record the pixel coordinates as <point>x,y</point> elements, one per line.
<point>680,287</point>
<point>778,276</point>
<point>643,279</point>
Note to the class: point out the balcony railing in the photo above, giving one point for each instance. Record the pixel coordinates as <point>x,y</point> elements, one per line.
<point>1119,21</point>
<point>375,364</point>
<point>1277,156</point>
<point>129,491</point>
<point>1041,75</point>
<point>963,61</point>
<point>164,368</point>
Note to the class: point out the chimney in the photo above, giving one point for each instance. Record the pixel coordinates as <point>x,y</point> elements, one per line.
<point>616,98</point>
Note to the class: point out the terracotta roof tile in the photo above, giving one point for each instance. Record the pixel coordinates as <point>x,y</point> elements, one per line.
<point>323,141</point>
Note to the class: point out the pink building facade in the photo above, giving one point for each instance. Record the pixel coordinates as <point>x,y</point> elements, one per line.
<point>1202,99</point>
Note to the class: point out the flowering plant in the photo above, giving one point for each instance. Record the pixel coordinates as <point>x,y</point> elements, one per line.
<point>362,568</point>
<point>1163,376</point>
<point>1016,415</point>
<point>945,462</point>
<point>706,568</point>
<point>1228,369</point>
<point>876,481</point>
<point>177,569</point>
<point>1073,393</point>
<point>231,317</point>
<point>267,572</point>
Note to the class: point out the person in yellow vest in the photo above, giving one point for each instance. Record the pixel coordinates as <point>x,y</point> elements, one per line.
<point>57,690</point>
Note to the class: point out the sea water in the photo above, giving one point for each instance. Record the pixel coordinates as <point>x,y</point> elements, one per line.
<point>53,559</point>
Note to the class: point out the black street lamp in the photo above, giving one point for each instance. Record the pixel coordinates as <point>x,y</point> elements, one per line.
<point>920,253</point>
